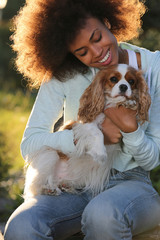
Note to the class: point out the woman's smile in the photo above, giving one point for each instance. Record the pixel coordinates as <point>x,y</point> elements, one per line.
<point>106,59</point>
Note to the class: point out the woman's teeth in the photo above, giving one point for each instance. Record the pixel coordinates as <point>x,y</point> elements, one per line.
<point>105,58</point>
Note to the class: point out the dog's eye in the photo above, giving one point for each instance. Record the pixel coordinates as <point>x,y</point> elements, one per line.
<point>114,79</point>
<point>131,81</point>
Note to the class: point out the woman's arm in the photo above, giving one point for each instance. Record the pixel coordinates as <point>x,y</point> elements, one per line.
<point>48,108</point>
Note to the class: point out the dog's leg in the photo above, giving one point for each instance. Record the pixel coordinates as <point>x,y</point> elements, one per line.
<point>96,146</point>
<point>41,173</point>
<point>90,140</point>
<point>51,186</point>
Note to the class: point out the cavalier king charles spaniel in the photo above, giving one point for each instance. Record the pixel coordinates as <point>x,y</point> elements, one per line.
<point>89,166</point>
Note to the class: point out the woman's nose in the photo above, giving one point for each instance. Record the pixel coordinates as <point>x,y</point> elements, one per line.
<point>96,50</point>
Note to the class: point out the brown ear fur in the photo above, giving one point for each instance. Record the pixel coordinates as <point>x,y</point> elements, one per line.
<point>92,101</point>
<point>144,98</point>
<point>68,125</point>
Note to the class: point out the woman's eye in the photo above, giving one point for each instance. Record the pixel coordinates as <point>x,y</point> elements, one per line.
<point>114,79</point>
<point>99,38</point>
<point>131,81</point>
<point>83,54</point>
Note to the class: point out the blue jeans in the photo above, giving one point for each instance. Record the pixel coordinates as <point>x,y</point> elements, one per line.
<point>127,207</point>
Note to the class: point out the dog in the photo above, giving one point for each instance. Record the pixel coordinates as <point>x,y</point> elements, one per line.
<point>89,166</point>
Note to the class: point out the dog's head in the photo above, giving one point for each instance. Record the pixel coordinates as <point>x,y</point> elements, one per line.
<point>115,83</point>
<point>120,80</point>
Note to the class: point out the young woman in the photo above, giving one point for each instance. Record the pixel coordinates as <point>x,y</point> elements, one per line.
<point>60,45</point>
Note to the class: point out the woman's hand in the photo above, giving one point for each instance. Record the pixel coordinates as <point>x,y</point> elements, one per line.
<point>123,118</point>
<point>117,119</point>
<point>111,132</point>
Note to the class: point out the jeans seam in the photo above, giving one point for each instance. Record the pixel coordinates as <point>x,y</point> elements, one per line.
<point>67,217</point>
<point>132,204</point>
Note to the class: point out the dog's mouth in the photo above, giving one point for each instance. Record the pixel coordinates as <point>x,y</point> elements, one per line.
<point>119,94</point>
<point>123,94</point>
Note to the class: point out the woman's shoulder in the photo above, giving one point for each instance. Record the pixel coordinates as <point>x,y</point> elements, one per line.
<point>149,59</point>
<point>55,86</point>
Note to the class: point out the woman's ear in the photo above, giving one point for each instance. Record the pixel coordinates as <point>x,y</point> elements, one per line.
<point>92,101</point>
<point>107,23</point>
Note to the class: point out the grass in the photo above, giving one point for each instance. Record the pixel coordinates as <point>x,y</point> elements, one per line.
<point>12,128</point>
<point>14,111</point>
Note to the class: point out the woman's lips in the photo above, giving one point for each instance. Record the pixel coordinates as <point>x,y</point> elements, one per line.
<point>107,58</point>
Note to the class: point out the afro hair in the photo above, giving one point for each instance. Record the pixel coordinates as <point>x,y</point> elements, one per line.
<point>43,30</point>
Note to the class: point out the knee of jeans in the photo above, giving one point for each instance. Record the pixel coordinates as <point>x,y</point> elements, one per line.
<point>18,227</point>
<point>99,212</point>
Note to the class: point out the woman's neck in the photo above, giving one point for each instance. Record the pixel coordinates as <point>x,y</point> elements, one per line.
<point>124,58</point>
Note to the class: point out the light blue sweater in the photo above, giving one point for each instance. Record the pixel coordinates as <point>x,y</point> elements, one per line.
<point>141,148</point>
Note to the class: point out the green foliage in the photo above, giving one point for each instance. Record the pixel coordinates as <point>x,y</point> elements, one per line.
<point>14,111</point>
<point>17,100</point>
<point>152,18</point>
<point>9,77</point>
<point>4,165</point>
<point>149,39</point>
<point>155,177</point>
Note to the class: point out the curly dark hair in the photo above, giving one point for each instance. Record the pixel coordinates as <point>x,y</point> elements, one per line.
<point>43,30</point>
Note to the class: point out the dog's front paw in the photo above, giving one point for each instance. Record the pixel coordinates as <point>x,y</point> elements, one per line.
<point>51,187</point>
<point>49,191</point>
<point>130,104</point>
<point>82,136</point>
<point>90,141</point>
<point>98,155</point>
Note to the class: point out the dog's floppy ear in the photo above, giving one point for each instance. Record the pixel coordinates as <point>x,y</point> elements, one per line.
<point>93,100</point>
<point>144,98</point>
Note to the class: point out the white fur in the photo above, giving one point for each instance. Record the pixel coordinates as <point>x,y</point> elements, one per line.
<point>81,172</point>
<point>88,167</point>
<point>90,139</point>
<point>116,90</point>
<point>122,68</point>
<point>112,102</point>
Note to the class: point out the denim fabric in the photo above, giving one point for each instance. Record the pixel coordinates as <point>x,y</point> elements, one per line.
<point>127,207</point>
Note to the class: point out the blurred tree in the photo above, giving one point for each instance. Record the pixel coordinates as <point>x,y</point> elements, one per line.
<point>152,18</point>
<point>12,7</point>
<point>150,36</point>
<point>9,77</point>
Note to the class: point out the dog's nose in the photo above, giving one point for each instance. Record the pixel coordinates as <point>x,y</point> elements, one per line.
<point>123,88</point>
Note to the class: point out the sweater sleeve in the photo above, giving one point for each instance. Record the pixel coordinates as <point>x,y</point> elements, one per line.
<point>47,109</point>
<point>144,145</point>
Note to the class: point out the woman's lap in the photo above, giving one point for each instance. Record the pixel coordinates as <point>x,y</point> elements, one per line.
<point>121,212</point>
<point>45,216</point>
<point>60,216</point>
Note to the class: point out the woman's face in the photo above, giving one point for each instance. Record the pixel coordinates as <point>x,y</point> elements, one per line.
<point>95,45</point>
